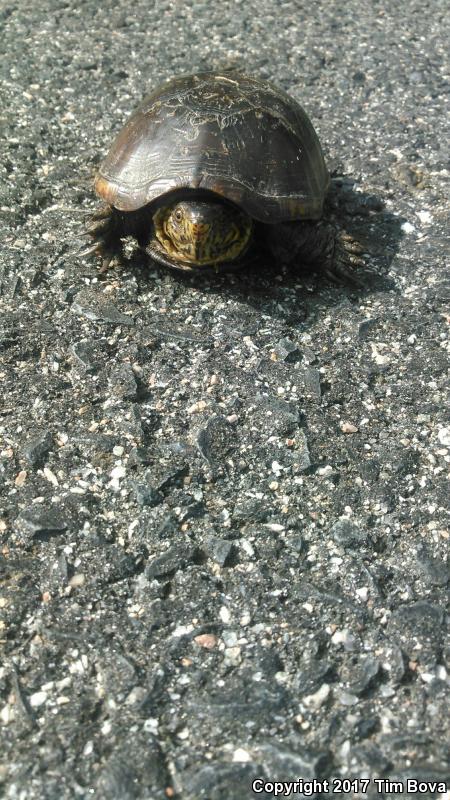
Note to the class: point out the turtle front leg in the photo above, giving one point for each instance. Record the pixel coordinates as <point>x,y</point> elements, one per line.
<point>106,230</point>
<point>320,245</point>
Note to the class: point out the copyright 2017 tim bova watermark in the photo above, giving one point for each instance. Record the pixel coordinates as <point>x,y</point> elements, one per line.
<point>347,786</point>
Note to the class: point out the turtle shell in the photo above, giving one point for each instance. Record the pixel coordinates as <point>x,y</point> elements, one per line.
<point>231,134</point>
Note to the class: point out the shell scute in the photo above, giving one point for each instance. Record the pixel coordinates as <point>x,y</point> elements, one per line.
<point>237,136</point>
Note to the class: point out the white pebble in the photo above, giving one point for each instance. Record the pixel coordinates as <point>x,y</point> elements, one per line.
<point>425,217</point>
<point>240,755</point>
<point>117,473</point>
<point>407,227</point>
<point>37,699</point>
<point>444,436</point>
<point>318,698</point>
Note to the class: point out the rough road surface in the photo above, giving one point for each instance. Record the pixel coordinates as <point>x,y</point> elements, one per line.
<point>223,499</point>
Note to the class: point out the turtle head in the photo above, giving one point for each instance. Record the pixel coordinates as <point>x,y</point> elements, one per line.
<point>203,232</point>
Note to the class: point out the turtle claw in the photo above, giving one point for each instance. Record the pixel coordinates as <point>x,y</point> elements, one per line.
<point>93,248</point>
<point>356,261</point>
<point>332,276</point>
<point>348,253</point>
<point>348,243</point>
<point>343,274</point>
<point>102,228</point>
<point>102,213</point>
<point>97,226</point>
<point>351,245</point>
<point>109,261</point>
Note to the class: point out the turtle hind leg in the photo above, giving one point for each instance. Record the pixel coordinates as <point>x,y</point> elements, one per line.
<point>320,245</point>
<point>106,230</point>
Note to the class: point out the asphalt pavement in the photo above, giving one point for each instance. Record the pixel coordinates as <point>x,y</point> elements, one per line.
<point>224,498</point>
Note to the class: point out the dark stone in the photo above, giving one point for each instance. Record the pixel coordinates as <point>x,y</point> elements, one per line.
<point>268,662</point>
<point>112,564</point>
<point>367,328</point>
<point>394,664</point>
<point>250,511</point>
<point>310,679</point>
<point>222,781</point>
<point>123,382</point>
<point>297,543</point>
<point>407,462</point>
<point>171,474</point>
<point>86,355</point>
<point>287,351</point>
<point>310,382</point>
<point>135,769</point>
<point>215,441</point>
<point>118,674</point>
<point>366,727</point>
<point>37,448</point>
<point>42,521</point>
<point>436,570</point>
<point>348,534</point>
<point>59,572</point>
<point>370,757</point>
<point>422,773</point>
<point>181,333</point>
<point>422,618</point>
<point>96,443</point>
<point>307,379</point>
<point>291,758</point>
<point>140,456</point>
<point>146,495</point>
<point>174,559</point>
<point>192,510</point>
<point>220,550</point>
<point>418,628</point>
<point>233,781</point>
<point>241,701</point>
<point>94,306</point>
<point>359,77</point>
<point>370,470</point>
<point>364,676</point>
<point>280,417</point>
<point>300,456</point>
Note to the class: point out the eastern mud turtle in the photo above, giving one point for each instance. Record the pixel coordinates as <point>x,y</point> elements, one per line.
<point>212,166</point>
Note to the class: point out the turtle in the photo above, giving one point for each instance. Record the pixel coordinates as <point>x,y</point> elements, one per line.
<point>213,168</point>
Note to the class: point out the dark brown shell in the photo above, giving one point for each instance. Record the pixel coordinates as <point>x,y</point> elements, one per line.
<point>237,136</point>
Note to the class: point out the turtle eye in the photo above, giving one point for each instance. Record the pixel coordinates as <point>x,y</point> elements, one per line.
<point>178,215</point>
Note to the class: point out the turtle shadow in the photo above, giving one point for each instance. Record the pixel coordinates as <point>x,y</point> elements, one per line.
<point>265,287</point>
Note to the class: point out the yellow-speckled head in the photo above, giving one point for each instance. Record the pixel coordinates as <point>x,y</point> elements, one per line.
<point>201,233</point>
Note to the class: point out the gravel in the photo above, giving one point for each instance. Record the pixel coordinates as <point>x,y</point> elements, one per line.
<point>223,498</point>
